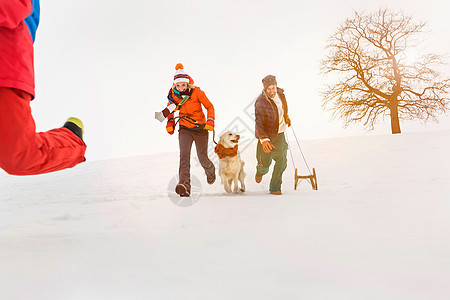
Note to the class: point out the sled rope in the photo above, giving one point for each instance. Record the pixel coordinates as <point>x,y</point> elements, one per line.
<point>300,148</point>
<point>312,178</point>
<point>290,151</point>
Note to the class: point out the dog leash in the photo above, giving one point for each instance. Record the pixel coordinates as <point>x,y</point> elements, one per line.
<point>214,134</point>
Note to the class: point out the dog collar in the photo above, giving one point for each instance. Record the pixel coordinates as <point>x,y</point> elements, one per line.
<point>223,152</point>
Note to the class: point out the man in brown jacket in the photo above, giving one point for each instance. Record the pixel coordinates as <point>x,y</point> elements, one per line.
<point>271,121</point>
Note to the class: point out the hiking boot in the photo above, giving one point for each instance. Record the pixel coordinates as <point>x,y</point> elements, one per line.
<point>258,178</point>
<point>276,193</point>
<point>76,126</point>
<point>183,190</point>
<point>211,179</point>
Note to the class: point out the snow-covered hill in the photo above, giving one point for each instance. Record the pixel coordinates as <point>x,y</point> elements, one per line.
<point>377,228</point>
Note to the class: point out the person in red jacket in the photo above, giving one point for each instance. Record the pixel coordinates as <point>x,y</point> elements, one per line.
<point>194,127</point>
<point>22,150</point>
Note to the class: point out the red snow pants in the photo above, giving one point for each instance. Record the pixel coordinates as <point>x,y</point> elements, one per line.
<point>25,152</point>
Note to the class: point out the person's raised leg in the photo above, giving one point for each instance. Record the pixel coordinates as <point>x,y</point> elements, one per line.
<point>25,152</point>
<point>264,160</point>
<point>201,146</point>
<point>279,155</point>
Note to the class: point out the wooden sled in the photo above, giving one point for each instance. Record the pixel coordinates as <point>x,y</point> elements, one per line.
<point>311,178</point>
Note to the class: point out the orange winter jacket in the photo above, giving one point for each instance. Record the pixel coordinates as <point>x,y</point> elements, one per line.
<point>191,112</point>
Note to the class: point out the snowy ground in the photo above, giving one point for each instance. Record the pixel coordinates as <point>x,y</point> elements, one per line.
<point>377,228</point>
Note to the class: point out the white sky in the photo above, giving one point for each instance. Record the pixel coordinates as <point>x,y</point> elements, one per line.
<point>112,63</point>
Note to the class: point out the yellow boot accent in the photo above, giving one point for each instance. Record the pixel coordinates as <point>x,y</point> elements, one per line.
<point>77,122</point>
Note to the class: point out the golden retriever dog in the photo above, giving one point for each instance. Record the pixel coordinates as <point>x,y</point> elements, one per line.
<point>231,167</point>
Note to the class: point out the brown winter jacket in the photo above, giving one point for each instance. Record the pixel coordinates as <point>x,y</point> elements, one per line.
<point>266,115</point>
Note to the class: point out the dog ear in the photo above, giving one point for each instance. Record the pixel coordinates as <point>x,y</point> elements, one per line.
<point>221,139</point>
<point>223,136</point>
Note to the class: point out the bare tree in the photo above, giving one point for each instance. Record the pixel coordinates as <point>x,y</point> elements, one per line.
<point>369,56</point>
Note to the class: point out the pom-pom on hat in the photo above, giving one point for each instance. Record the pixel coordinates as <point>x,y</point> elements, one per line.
<point>180,74</point>
<point>269,80</point>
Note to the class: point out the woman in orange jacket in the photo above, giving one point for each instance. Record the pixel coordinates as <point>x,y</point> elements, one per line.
<point>194,127</point>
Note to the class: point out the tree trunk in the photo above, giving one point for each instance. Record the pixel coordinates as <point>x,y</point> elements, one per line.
<point>395,122</point>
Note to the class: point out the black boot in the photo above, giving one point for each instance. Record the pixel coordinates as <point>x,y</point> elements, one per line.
<point>76,126</point>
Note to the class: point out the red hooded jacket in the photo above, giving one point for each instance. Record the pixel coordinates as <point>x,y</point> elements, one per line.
<point>16,45</point>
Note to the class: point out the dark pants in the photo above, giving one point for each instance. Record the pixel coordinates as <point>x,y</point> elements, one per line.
<point>200,137</point>
<point>279,155</point>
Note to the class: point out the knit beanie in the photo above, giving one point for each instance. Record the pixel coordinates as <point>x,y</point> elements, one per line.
<point>269,80</point>
<point>180,74</point>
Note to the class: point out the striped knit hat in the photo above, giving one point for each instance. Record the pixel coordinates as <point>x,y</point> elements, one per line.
<point>180,74</point>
